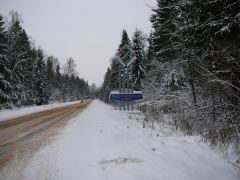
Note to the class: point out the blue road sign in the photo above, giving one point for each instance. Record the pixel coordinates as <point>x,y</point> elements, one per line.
<point>125,96</point>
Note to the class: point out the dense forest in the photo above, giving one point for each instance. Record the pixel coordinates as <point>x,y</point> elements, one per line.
<point>28,76</point>
<point>188,68</point>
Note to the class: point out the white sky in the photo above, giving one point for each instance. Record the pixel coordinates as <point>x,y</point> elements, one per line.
<point>89,31</point>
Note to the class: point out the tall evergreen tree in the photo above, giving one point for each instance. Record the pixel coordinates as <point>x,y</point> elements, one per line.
<point>138,67</point>
<point>50,75</point>
<point>223,29</point>
<point>105,91</point>
<point>115,74</point>
<point>114,84</point>
<point>150,56</point>
<point>125,40</point>
<point>50,70</point>
<point>165,35</point>
<point>28,66</point>
<point>41,94</point>
<point>19,57</point>
<point>5,85</point>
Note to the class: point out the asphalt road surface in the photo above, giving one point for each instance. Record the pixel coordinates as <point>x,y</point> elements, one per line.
<point>21,137</point>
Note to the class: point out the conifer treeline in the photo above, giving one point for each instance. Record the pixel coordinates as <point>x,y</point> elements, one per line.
<point>111,78</point>
<point>192,70</point>
<point>27,75</point>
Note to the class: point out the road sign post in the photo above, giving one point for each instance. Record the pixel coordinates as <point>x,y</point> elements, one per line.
<point>119,74</point>
<point>126,58</point>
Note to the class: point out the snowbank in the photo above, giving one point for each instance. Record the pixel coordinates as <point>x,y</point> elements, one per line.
<point>8,114</point>
<point>103,143</point>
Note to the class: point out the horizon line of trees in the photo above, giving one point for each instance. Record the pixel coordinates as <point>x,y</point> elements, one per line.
<point>28,76</point>
<point>190,70</point>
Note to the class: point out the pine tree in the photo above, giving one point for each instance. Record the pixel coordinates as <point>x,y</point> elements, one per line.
<point>165,38</point>
<point>212,45</point>
<point>50,73</point>
<point>53,78</point>
<point>28,63</point>
<point>138,67</point>
<point>225,37</point>
<point>106,86</point>
<point>18,55</point>
<point>114,83</point>
<point>150,56</point>
<point>165,42</point>
<point>125,40</point>
<point>5,86</point>
<point>41,94</point>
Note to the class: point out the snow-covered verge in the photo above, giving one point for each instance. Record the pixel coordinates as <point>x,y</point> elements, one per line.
<point>103,143</point>
<point>8,114</point>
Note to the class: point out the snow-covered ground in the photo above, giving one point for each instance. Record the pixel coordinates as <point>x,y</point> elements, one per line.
<point>106,144</point>
<point>7,114</point>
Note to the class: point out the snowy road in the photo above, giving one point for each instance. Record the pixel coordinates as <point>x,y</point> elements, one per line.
<point>21,137</point>
<point>105,144</point>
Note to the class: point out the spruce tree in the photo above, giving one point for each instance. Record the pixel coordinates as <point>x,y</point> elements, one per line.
<point>105,89</point>
<point>41,94</point>
<point>5,86</point>
<point>28,63</point>
<point>114,83</point>
<point>18,56</point>
<point>50,73</point>
<point>165,35</point>
<point>225,33</point>
<point>150,56</point>
<point>138,67</point>
<point>125,40</point>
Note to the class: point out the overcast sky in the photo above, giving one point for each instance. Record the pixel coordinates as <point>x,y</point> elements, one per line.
<point>89,31</point>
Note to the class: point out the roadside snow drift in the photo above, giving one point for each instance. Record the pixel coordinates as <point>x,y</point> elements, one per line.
<point>8,114</point>
<point>105,144</point>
